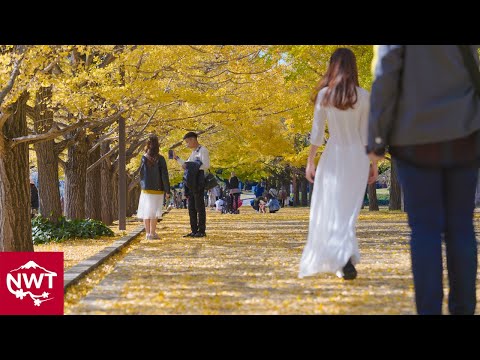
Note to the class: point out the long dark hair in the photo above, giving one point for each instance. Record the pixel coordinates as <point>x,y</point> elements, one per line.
<point>152,149</point>
<point>341,80</point>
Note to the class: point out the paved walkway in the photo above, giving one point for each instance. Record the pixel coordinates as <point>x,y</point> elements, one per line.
<point>248,264</point>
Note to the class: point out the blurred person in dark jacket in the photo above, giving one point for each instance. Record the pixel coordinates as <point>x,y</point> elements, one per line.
<point>425,108</point>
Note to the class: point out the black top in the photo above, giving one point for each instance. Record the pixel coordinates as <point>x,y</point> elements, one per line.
<point>154,177</point>
<point>233,183</point>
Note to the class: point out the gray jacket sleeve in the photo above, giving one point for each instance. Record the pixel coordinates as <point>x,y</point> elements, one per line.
<point>384,95</point>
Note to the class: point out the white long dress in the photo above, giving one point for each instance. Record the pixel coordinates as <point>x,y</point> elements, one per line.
<point>339,188</point>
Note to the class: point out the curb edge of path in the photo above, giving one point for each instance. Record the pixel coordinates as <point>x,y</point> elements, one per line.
<point>77,272</point>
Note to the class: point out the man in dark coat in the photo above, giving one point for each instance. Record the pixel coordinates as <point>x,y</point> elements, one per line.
<point>426,108</point>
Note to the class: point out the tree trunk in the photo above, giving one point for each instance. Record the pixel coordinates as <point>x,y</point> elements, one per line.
<point>15,220</point>
<point>304,191</point>
<point>106,184</point>
<point>130,194</point>
<point>114,200</point>
<point>132,201</point>
<point>395,192</point>
<point>372,197</point>
<point>47,162</point>
<point>134,197</point>
<point>93,204</point>
<point>48,181</point>
<point>76,178</point>
<point>296,193</point>
<point>363,200</point>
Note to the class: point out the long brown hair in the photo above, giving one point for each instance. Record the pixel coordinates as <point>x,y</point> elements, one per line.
<point>341,80</point>
<point>152,149</point>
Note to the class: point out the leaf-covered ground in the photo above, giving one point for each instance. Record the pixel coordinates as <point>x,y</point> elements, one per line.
<point>77,250</point>
<point>248,264</point>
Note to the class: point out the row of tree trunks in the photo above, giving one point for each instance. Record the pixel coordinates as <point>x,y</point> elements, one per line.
<point>300,186</point>
<point>15,222</point>
<point>93,195</point>
<point>15,207</point>
<point>97,188</point>
<point>396,203</point>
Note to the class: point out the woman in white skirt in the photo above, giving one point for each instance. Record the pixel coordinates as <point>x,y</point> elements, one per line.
<point>343,170</point>
<point>155,185</point>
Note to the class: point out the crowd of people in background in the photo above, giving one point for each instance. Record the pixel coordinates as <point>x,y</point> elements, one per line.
<point>226,197</point>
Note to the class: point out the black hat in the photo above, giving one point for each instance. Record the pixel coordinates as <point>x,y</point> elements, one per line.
<point>190,135</point>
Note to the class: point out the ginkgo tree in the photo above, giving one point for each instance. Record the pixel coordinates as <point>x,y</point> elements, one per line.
<point>19,67</point>
<point>27,73</point>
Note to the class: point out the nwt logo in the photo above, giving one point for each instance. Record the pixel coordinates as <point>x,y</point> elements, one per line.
<point>31,283</point>
<point>23,279</point>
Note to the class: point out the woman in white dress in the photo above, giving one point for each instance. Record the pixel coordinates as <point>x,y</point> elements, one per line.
<point>343,170</point>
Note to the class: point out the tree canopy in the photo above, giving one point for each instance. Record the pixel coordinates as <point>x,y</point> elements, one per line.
<point>252,100</point>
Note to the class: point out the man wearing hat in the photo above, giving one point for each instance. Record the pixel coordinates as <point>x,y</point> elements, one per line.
<point>196,200</point>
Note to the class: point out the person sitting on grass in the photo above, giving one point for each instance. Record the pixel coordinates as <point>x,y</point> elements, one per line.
<point>273,204</point>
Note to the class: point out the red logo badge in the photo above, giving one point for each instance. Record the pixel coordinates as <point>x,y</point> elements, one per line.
<point>31,283</point>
